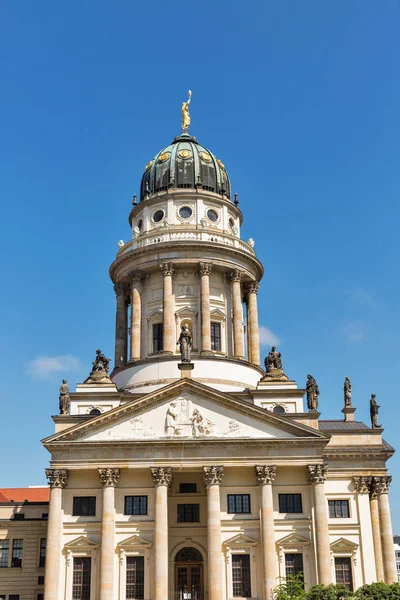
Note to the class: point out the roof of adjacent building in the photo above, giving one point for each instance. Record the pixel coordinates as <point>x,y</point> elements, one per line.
<point>340,425</point>
<point>29,494</point>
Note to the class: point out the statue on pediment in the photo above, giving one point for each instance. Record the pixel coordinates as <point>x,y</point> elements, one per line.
<point>347,392</point>
<point>64,400</point>
<point>99,372</point>
<point>200,425</point>
<point>374,410</point>
<point>185,344</point>
<point>312,393</point>
<point>273,365</point>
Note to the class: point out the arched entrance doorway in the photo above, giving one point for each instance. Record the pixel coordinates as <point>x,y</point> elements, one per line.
<point>189,574</point>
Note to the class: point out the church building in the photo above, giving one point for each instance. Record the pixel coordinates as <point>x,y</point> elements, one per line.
<point>191,471</point>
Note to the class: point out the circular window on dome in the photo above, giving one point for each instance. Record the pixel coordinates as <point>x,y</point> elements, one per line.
<point>278,409</point>
<point>185,212</point>
<point>163,157</point>
<point>205,156</point>
<point>212,215</point>
<point>158,216</point>
<point>184,154</point>
<point>140,224</point>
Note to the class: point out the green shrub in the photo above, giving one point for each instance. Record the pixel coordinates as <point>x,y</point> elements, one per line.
<point>328,592</point>
<point>379,591</point>
<point>291,588</point>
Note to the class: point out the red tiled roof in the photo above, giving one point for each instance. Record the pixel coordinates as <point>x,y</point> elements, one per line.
<point>40,494</point>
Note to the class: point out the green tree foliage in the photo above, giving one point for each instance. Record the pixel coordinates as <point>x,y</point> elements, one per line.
<point>379,591</point>
<point>328,592</point>
<point>291,588</point>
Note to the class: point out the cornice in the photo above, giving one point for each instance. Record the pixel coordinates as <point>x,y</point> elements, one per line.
<point>358,451</point>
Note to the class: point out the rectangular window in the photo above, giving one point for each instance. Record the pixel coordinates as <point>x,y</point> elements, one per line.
<point>42,552</point>
<point>19,516</point>
<point>16,559</point>
<point>45,516</point>
<point>343,572</point>
<point>135,577</point>
<point>187,488</point>
<point>216,337</point>
<point>188,513</point>
<point>81,578</point>
<point>241,586</point>
<point>84,506</point>
<point>157,337</point>
<point>290,503</point>
<point>40,596</point>
<point>339,509</point>
<point>293,564</point>
<point>13,597</point>
<point>135,505</point>
<point>2,597</point>
<point>239,503</point>
<point>4,549</point>
<point>40,580</point>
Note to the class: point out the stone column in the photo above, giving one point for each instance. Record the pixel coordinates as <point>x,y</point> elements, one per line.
<point>162,477</point>
<point>317,474</point>
<point>238,334</point>
<point>121,325</point>
<point>169,332</point>
<point>362,488</point>
<point>376,531</point>
<point>136,316</point>
<point>252,323</point>
<point>212,479</point>
<point>109,479</point>
<point>205,270</point>
<point>389,560</point>
<point>57,481</point>
<point>265,476</point>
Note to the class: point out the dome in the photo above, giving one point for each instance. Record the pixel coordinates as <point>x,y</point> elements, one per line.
<point>185,164</point>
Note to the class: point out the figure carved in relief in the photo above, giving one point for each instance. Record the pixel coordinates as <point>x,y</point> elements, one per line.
<point>170,419</point>
<point>185,344</point>
<point>201,425</point>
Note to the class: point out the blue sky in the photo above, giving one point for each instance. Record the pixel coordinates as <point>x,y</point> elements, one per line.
<point>301,102</point>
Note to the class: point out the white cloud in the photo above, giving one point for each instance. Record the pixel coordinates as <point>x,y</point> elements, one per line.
<point>354,331</point>
<point>361,297</point>
<point>44,367</point>
<point>267,337</point>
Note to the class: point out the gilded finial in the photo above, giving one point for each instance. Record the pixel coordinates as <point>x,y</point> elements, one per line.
<point>185,113</point>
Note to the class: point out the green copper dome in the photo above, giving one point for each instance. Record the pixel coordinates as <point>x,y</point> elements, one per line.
<point>185,164</point>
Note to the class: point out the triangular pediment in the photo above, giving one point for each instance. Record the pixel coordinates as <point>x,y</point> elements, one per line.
<point>342,546</point>
<point>293,539</point>
<point>135,542</point>
<point>81,543</point>
<point>240,541</point>
<point>185,410</point>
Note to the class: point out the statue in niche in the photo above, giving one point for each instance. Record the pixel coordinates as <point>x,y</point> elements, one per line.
<point>185,344</point>
<point>64,398</point>
<point>373,411</point>
<point>273,365</point>
<point>173,413</point>
<point>201,425</point>
<point>312,393</point>
<point>347,392</point>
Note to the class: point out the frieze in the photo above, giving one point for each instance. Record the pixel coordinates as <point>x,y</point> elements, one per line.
<point>161,475</point>
<point>265,474</point>
<point>317,473</point>
<point>109,477</point>
<point>58,478</point>
<point>213,475</point>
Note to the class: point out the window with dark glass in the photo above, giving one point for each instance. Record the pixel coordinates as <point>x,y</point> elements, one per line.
<point>45,516</point>
<point>290,503</point>
<point>187,488</point>
<point>40,596</point>
<point>135,577</point>
<point>343,572</point>
<point>158,216</point>
<point>188,513</point>
<point>19,516</point>
<point>2,597</point>
<point>238,503</point>
<point>241,586</point>
<point>84,506</point>
<point>13,597</point>
<point>4,549</point>
<point>212,215</point>
<point>81,578</point>
<point>157,337</point>
<point>293,564</point>
<point>40,580</point>
<point>42,552</point>
<point>135,505</point>
<point>339,509</point>
<point>16,558</point>
<point>185,212</point>
<point>216,337</point>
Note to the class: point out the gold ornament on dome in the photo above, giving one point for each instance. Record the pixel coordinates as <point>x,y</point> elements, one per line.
<point>205,156</point>
<point>148,165</point>
<point>163,157</point>
<point>184,154</point>
<point>185,113</point>
<point>221,164</point>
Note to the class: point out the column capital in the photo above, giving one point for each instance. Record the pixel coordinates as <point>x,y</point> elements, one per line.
<point>236,275</point>
<point>167,268</point>
<point>57,477</point>
<point>161,475</point>
<point>265,474</point>
<point>205,268</point>
<point>252,287</point>
<point>317,473</point>
<point>121,288</point>
<point>380,485</point>
<point>109,477</point>
<point>213,475</point>
<point>362,484</point>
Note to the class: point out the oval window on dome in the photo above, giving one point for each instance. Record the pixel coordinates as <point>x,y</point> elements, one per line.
<point>158,216</point>
<point>278,409</point>
<point>184,153</point>
<point>231,223</point>
<point>212,215</point>
<point>163,157</point>
<point>140,224</point>
<point>148,165</point>
<point>221,164</point>
<point>205,156</point>
<point>185,212</point>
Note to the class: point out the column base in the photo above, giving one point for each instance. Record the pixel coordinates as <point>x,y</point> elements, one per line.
<point>186,370</point>
<point>207,353</point>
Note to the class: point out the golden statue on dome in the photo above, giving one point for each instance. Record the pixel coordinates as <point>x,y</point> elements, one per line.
<point>185,113</point>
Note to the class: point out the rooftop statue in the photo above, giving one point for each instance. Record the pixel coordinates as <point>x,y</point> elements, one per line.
<point>64,398</point>
<point>374,410</point>
<point>312,393</point>
<point>185,113</point>
<point>347,392</point>
<point>99,372</point>
<point>185,344</point>
<point>273,365</point>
